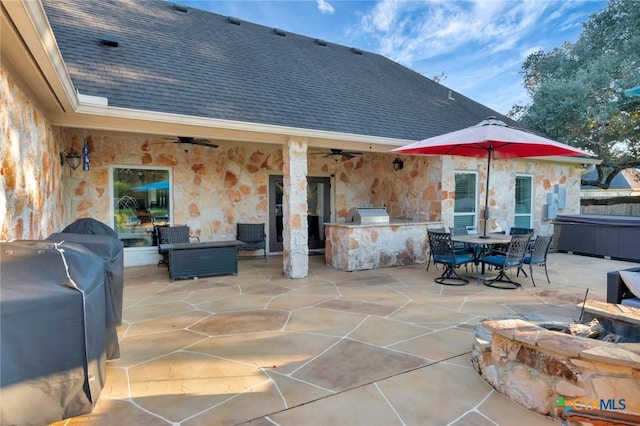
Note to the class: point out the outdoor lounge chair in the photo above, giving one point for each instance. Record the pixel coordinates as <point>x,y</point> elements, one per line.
<point>537,255</point>
<point>253,237</point>
<point>443,252</point>
<point>172,235</point>
<point>503,262</point>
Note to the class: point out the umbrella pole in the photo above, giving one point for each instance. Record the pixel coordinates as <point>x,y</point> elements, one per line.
<point>485,213</point>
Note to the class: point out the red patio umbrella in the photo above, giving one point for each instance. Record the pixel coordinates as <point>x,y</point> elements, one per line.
<point>493,139</point>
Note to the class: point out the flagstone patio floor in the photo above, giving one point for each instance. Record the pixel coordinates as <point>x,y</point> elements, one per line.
<point>377,347</point>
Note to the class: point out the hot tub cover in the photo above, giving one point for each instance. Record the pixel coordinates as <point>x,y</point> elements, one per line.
<point>52,331</point>
<point>615,236</point>
<point>599,219</point>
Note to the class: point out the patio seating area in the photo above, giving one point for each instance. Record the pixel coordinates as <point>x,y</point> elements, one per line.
<point>377,347</point>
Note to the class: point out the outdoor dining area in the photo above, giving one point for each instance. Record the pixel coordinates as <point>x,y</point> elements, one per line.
<point>507,254</point>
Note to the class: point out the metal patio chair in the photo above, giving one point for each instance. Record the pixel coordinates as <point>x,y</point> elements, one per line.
<point>504,248</point>
<point>503,262</point>
<point>443,252</point>
<point>460,247</point>
<point>537,255</point>
<point>430,253</point>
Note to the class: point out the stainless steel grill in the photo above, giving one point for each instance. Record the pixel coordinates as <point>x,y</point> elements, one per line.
<point>366,215</point>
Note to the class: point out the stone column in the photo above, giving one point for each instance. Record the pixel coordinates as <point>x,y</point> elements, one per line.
<point>295,255</point>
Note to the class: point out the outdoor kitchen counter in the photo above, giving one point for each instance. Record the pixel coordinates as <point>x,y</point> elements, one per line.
<point>356,247</point>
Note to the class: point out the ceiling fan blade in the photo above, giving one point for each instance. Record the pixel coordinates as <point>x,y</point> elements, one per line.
<point>188,140</point>
<point>337,153</point>
<point>204,142</point>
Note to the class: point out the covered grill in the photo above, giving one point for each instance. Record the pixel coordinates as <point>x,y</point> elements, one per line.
<point>367,215</point>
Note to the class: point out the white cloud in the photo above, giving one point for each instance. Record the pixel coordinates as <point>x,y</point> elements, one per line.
<point>325,7</point>
<point>478,44</point>
<point>381,17</point>
<point>412,31</point>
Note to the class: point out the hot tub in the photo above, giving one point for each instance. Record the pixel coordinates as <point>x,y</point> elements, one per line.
<point>617,237</point>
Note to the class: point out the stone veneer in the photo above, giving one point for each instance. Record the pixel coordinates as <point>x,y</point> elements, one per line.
<point>359,247</point>
<point>31,177</point>
<point>295,207</point>
<point>216,188</point>
<point>535,366</point>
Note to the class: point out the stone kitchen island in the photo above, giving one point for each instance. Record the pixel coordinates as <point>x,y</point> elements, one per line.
<point>356,247</point>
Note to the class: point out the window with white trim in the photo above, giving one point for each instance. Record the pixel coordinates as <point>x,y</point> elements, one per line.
<point>141,199</point>
<point>523,201</point>
<point>466,201</point>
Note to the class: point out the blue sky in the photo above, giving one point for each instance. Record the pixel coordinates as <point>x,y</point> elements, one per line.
<point>479,45</point>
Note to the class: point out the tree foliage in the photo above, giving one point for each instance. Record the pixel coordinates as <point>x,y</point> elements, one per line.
<point>577,90</point>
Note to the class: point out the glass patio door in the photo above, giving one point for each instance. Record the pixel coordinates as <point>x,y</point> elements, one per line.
<point>319,211</point>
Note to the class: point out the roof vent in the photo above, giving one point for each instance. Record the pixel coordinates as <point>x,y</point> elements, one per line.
<point>109,40</point>
<point>279,32</point>
<point>180,8</point>
<point>233,20</point>
<point>320,42</point>
<point>356,51</point>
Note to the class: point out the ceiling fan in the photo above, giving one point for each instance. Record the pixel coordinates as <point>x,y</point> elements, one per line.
<point>186,142</point>
<point>336,154</point>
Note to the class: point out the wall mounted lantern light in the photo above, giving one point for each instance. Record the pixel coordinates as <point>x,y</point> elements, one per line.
<point>398,164</point>
<point>71,156</point>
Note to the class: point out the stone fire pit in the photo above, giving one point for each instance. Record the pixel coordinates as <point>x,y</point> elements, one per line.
<point>526,359</point>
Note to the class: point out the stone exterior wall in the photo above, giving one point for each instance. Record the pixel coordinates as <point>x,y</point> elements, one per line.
<point>214,189</point>
<point>502,189</point>
<point>413,193</point>
<point>31,178</point>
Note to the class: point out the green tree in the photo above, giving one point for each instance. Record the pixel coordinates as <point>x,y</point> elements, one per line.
<point>577,90</point>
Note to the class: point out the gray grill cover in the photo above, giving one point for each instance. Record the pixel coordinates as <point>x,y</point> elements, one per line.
<point>52,335</point>
<point>111,251</point>
<point>90,226</point>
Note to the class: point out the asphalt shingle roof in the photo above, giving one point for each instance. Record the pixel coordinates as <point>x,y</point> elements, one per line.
<point>199,64</point>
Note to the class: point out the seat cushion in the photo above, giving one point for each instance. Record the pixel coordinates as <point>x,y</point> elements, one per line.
<point>497,260</point>
<point>632,301</point>
<point>250,246</point>
<point>632,281</point>
<point>459,258</point>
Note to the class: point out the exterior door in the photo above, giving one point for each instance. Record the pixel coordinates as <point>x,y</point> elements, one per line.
<point>319,205</point>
